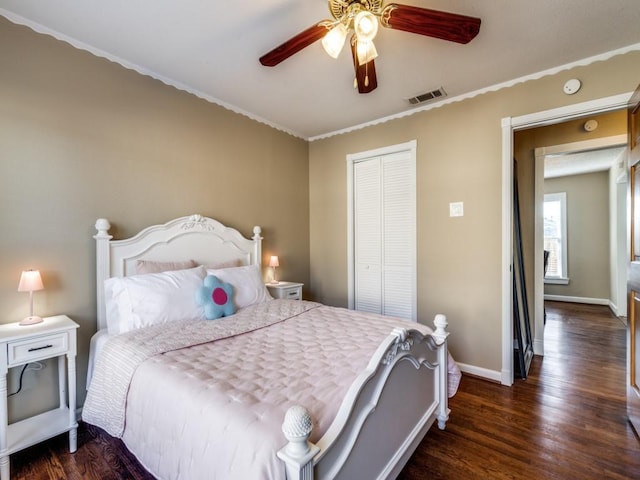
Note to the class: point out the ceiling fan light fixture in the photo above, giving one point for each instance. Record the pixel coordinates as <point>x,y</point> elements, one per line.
<point>365,25</point>
<point>361,19</point>
<point>366,52</point>
<point>334,40</point>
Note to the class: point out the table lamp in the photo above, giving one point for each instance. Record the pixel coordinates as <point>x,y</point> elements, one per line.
<point>273,263</point>
<point>30,281</point>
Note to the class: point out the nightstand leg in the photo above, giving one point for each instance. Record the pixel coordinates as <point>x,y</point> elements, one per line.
<point>4,468</point>
<point>62,381</point>
<point>4,419</point>
<point>73,433</point>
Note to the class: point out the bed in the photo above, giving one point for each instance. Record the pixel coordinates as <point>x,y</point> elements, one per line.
<point>277,389</point>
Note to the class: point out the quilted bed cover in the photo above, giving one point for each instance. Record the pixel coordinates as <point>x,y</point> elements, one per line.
<point>206,400</point>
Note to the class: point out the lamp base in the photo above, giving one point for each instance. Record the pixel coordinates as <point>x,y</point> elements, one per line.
<point>274,282</point>
<point>32,320</point>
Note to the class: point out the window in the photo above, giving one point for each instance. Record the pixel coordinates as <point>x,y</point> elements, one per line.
<point>555,237</point>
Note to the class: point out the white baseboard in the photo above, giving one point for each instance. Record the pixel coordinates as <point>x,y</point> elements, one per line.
<point>591,301</point>
<point>480,372</point>
<point>616,311</point>
<point>614,308</point>
<point>538,346</point>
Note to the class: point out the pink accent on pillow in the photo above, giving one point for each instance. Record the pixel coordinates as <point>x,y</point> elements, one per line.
<point>219,296</point>
<point>150,266</point>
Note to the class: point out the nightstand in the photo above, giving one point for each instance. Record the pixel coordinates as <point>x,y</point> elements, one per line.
<point>288,290</point>
<point>19,345</point>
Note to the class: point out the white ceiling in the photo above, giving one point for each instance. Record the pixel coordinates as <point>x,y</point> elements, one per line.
<point>581,162</point>
<point>211,48</point>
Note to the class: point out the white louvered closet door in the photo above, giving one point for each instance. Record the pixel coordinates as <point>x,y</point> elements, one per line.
<point>384,235</point>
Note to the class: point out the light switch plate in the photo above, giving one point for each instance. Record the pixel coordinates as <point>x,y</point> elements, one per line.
<point>456,209</point>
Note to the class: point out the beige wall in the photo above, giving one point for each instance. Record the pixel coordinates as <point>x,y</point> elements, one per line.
<point>82,138</point>
<point>458,159</point>
<point>587,235</point>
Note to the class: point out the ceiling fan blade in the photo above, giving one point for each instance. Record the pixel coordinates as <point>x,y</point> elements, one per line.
<point>366,79</point>
<point>295,44</point>
<point>432,23</point>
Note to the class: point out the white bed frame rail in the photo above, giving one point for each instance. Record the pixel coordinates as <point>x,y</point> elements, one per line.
<point>369,437</point>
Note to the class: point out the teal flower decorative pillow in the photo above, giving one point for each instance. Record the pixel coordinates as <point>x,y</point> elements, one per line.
<point>216,297</point>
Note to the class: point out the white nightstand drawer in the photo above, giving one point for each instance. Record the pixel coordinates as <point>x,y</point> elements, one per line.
<point>286,290</point>
<point>38,348</point>
<point>292,293</point>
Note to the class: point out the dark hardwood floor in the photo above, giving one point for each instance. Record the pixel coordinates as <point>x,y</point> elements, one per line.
<point>567,420</point>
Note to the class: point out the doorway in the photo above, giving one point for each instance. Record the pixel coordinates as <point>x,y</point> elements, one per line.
<point>509,126</point>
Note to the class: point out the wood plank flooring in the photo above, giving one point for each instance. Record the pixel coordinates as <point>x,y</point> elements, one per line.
<point>567,420</point>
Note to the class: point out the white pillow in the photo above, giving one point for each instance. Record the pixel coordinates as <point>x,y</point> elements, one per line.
<point>111,307</point>
<point>247,284</point>
<point>155,298</point>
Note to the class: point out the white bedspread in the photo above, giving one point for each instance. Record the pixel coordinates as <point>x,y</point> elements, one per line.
<point>212,411</point>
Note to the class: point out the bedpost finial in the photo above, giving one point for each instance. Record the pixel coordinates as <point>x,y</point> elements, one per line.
<point>440,321</point>
<point>297,422</point>
<point>102,226</point>
<point>257,230</point>
<point>297,427</point>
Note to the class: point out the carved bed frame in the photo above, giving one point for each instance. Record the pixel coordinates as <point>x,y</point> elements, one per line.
<point>389,407</point>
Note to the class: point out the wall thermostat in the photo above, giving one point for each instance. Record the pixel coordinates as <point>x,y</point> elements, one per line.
<point>572,86</point>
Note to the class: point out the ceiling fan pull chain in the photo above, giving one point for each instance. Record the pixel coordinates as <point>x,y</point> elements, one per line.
<point>366,74</point>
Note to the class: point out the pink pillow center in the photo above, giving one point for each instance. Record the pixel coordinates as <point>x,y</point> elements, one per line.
<point>219,296</point>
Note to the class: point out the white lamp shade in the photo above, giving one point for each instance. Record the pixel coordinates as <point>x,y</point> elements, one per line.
<point>366,52</point>
<point>333,41</point>
<point>30,281</point>
<point>273,262</point>
<point>366,26</point>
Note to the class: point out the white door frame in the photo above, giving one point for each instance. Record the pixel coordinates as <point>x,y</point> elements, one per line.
<point>352,158</point>
<point>509,126</point>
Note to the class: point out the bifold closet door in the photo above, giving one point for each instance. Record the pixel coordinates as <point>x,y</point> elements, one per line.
<point>384,235</point>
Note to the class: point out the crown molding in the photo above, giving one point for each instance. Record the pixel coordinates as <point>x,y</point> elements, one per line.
<point>17,19</point>
<point>493,88</point>
<point>36,27</point>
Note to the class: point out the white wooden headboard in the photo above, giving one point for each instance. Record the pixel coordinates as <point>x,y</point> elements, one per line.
<point>195,237</point>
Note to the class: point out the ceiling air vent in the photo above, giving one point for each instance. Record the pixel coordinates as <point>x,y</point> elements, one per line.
<point>427,97</point>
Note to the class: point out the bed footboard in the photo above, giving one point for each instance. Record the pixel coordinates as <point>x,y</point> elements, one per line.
<point>384,416</point>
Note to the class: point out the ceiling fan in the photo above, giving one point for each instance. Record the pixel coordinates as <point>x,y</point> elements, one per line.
<point>361,17</point>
